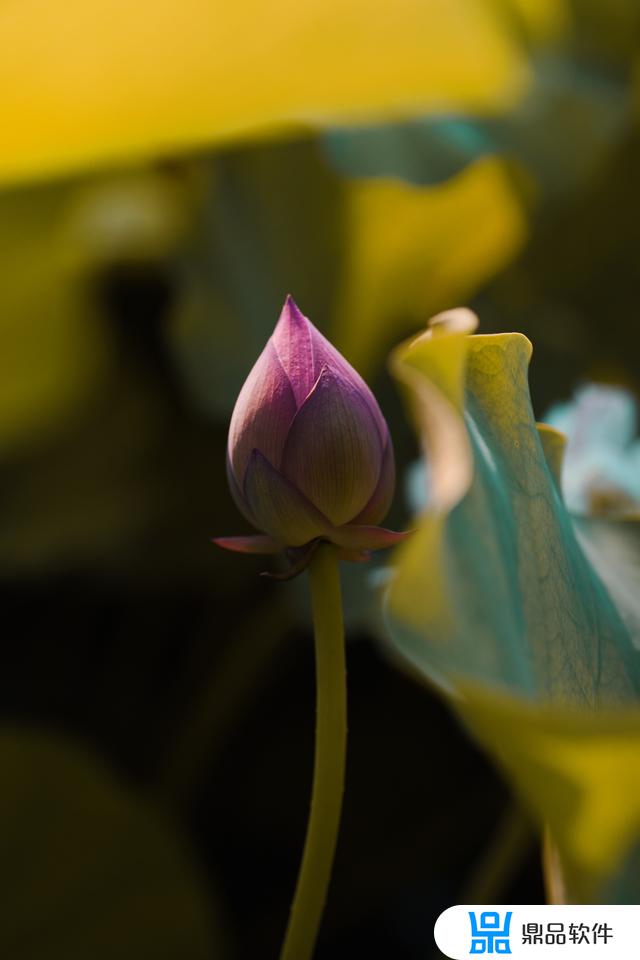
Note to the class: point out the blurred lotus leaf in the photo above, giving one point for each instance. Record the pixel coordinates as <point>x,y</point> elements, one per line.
<point>540,19</point>
<point>605,32</point>
<point>372,256</point>
<point>57,352</point>
<point>134,215</point>
<point>270,223</point>
<point>580,774</point>
<point>425,151</point>
<point>494,600</point>
<point>88,868</point>
<point>414,251</point>
<point>559,133</point>
<point>112,80</point>
<point>84,423</point>
<point>53,354</point>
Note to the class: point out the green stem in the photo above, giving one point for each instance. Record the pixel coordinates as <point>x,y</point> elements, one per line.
<point>330,753</point>
<point>491,875</point>
<point>554,880</point>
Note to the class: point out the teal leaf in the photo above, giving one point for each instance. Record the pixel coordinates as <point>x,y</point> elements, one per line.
<point>495,601</point>
<point>558,132</point>
<point>523,607</point>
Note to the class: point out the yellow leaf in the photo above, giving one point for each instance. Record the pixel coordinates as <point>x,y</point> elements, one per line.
<point>438,406</point>
<point>417,250</point>
<point>95,82</point>
<point>553,446</point>
<point>53,352</point>
<point>544,19</point>
<point>54,239</point>
<point>578,772</point>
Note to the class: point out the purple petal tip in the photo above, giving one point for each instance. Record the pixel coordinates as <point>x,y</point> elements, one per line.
<point>292,314</point>
<point>258,543</point>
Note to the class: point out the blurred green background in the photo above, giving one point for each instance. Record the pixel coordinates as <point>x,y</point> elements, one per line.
<point>157,695</point>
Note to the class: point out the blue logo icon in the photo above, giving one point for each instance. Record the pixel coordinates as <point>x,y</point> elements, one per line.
<point>487,936</point>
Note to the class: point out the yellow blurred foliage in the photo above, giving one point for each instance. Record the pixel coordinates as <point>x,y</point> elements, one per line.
<point>53,351</point>
<point>544,19</point>
<point>106,81</point>
<point>56,350</point>
<point>415,251</point>
<point>578,772</point>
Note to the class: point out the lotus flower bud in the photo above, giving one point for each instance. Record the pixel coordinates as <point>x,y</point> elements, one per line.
<point>309,455</point>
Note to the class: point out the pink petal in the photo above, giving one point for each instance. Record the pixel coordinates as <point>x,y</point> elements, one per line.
<point>326,355</point>
<point>378,506</point>
<point>279,508</point>
<point>358,537</point>
<point>293,343</point>
<point>252,544</point>
<point>333,452</point>
<point>238,494</point>
<point>304,351</point>
<point>263,413</point>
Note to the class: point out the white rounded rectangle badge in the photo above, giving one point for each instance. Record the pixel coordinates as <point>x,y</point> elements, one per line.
<point>592,931</point>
